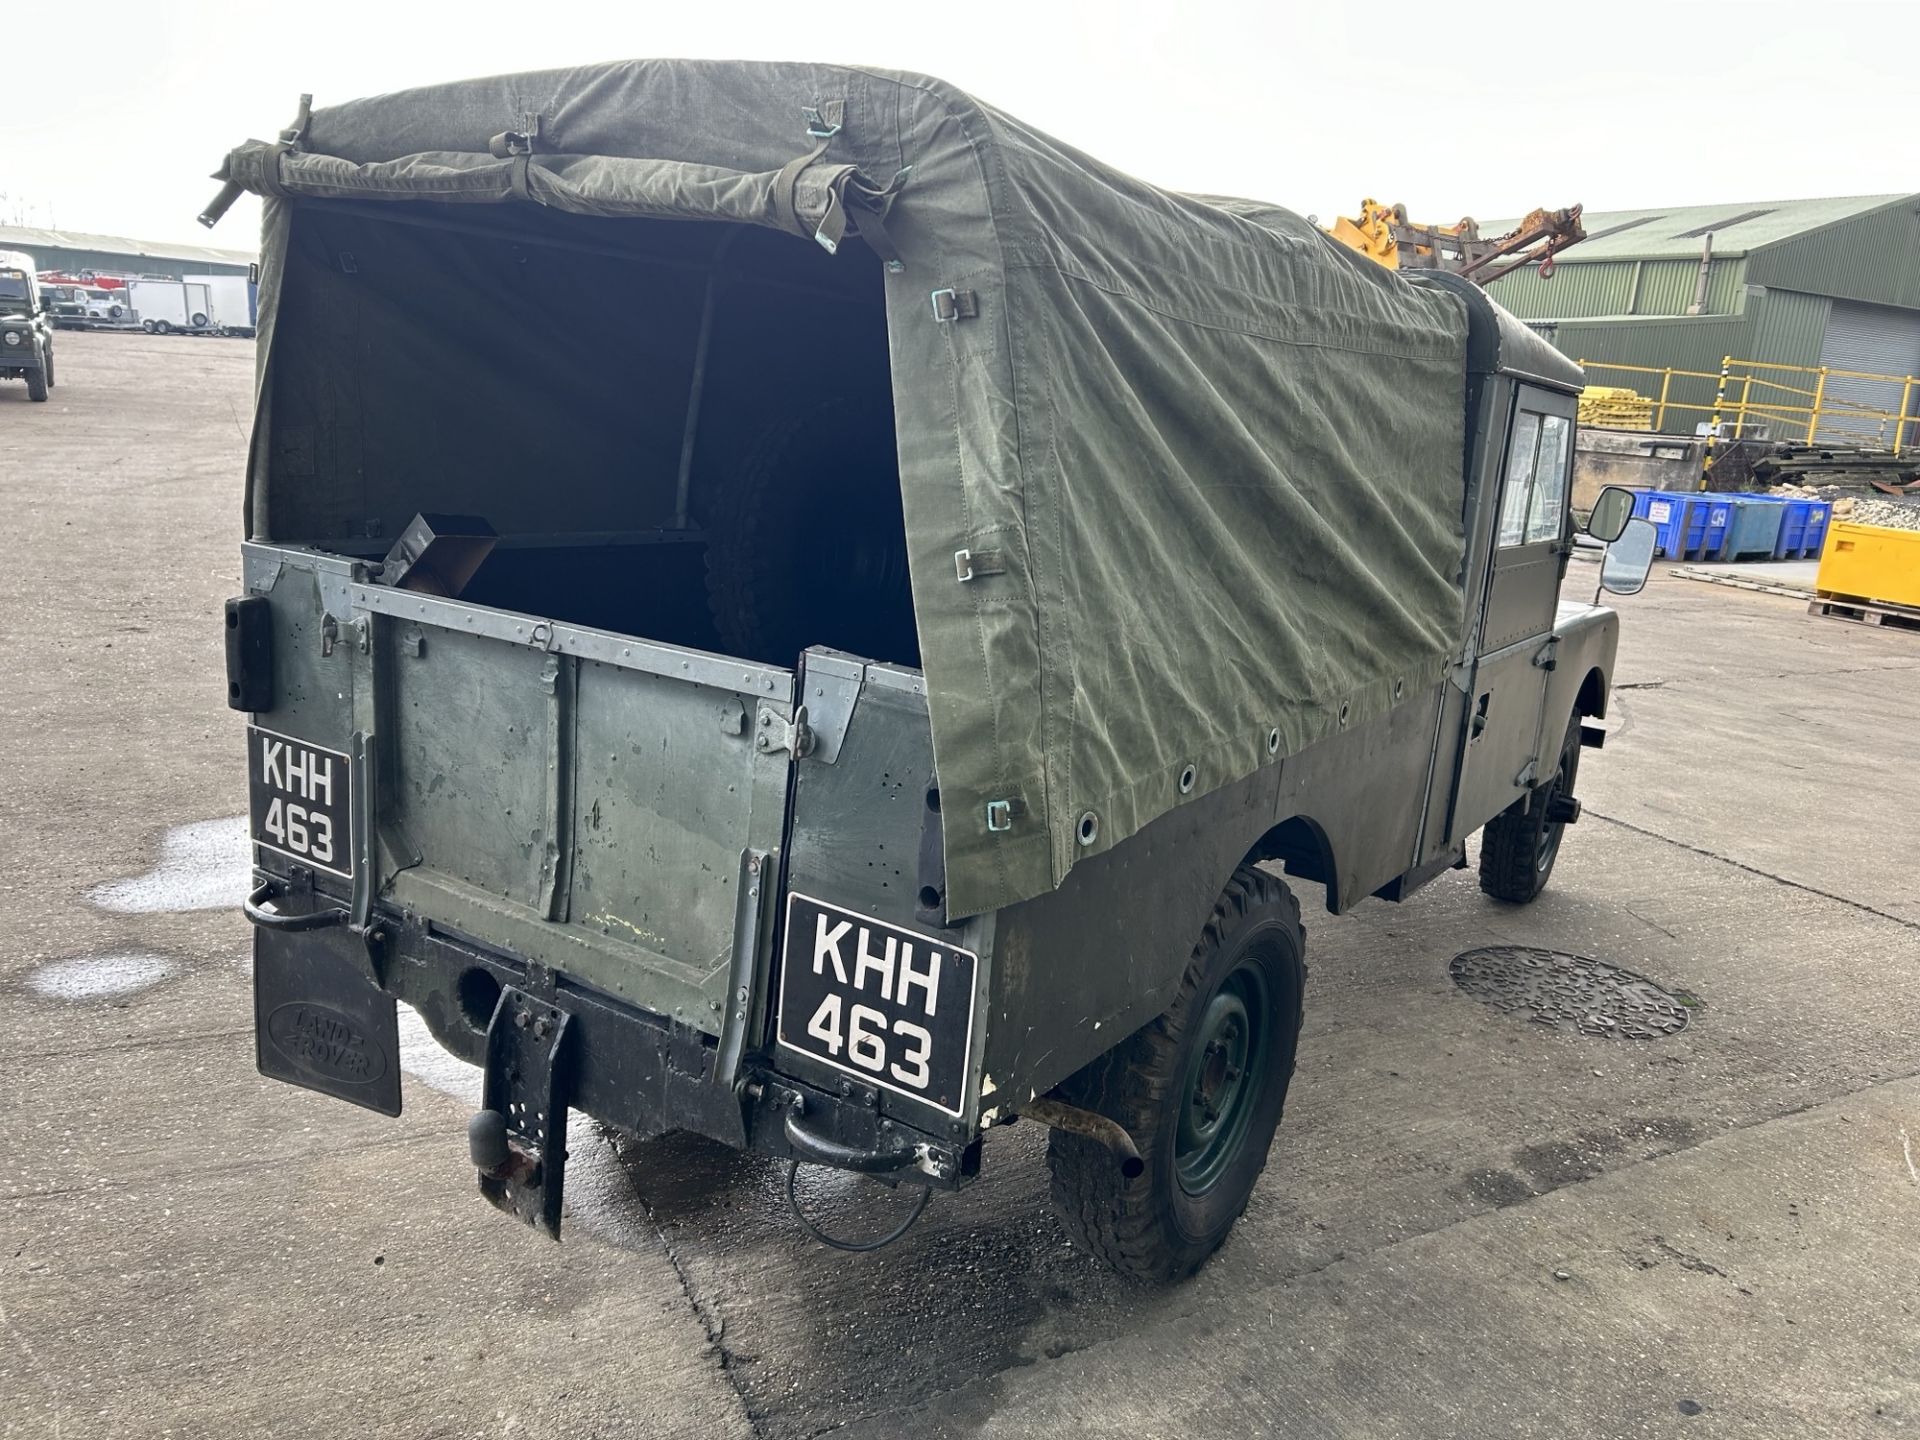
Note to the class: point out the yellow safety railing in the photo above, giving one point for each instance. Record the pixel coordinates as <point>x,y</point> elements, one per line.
<point>1807,412</point>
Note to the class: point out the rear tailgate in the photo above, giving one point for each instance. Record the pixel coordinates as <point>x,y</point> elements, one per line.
<point>599,804</point>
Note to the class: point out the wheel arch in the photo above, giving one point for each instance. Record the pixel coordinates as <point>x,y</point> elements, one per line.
<point>1305,851</point>
<point>1592,699</point>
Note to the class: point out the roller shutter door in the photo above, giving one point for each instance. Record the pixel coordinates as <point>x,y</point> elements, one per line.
<point>1879,340</point>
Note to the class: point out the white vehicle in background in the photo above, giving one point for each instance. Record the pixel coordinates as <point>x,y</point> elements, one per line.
<point>231,302</point>
<point>164,306</point>
<point>79,304</point>
<point>197,305</point>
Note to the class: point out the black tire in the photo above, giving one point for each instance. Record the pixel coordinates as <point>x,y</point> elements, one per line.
<point>36,384</point>
<point>1199,1174</point>
<point>114,312</point>
<point>806,541</point>
<point>49,367</point>
<point>199,321</point>
<point>147,325</point>
<point>162,327</point>
<point>1520,844</point>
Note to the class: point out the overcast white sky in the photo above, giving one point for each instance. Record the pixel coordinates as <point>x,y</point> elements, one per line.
<point>113,117</point>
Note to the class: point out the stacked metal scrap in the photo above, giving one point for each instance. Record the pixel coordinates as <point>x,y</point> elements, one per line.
<point>1613,407</point>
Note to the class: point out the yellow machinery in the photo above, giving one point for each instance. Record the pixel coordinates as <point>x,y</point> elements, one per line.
<point>1383,233</point>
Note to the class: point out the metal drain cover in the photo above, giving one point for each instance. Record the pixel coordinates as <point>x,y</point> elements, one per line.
<point>1572,992</point>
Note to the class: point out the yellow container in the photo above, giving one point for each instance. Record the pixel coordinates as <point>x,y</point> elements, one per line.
<point>1871,563</point>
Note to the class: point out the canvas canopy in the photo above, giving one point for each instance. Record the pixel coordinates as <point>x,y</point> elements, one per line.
<point>1179,475</point>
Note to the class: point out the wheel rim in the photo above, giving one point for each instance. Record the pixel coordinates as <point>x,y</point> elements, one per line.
<point>1548,844</point>
<point>1225,1075</point>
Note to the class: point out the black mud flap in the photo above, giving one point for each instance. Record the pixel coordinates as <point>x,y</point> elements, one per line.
<point>319,1022</point>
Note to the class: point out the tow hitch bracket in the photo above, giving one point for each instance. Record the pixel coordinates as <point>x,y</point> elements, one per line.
<point>518,1142</point>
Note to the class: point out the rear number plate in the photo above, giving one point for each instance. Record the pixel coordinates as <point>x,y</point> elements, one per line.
<point>299,801</point>
<point>891,1006</point>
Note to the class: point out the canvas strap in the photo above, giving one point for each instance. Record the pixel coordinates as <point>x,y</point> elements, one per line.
<point>517,146</point>
<point>845,186</point>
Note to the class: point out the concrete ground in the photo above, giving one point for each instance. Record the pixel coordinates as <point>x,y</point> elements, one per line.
<point>1471,1225</point>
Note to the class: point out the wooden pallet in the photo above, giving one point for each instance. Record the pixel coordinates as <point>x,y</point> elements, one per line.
<point>1865,612</point>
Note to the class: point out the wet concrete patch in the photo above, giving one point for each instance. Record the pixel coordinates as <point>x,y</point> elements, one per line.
<point>1554,1163</point>
<point>202,866</point>
<point>985,1283</point>
<point>100,977</point>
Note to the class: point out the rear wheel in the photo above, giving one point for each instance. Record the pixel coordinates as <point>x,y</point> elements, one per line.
<point>148,326</point>
<point>1200,1090</point>
<point>1519,845</point>
<point>161,327</point>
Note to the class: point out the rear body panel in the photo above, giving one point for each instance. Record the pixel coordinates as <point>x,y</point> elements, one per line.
<point>587,801</point>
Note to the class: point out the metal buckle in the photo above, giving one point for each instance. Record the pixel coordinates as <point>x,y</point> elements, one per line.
<point>963,565</point>
<point>999,816</point>
<point>817,125</point>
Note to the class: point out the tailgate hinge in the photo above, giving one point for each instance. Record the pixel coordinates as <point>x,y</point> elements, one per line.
<point>776,732</point>
<point>1548,657</point>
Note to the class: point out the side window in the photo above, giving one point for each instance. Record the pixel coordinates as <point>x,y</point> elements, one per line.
<point>1521,453</point>
<point>1548,509</point>
<point>1534,495</point>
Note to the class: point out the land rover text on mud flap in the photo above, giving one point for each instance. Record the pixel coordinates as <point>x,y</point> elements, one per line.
<point>834,639</point>
<point>26,326</point>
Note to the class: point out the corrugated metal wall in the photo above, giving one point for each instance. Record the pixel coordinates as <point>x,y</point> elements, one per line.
<point>1667,286</point>
<point>1684,344</point>
<point>1875,258</point>
<point>1787,327</point>
<point>1578,290</point>
<point>1599,288</point>
<point>1876,339</point>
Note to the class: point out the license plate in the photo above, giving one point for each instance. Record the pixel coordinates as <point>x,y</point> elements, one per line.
<point>299,801</point>
<point>890,1006</point>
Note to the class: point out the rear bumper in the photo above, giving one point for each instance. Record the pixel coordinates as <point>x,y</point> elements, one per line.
<point>634,1070</point>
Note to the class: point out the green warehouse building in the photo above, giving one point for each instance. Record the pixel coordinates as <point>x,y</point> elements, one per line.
<point>1807,283</point>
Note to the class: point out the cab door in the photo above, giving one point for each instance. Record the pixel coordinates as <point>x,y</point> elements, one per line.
<point>1505,721</point>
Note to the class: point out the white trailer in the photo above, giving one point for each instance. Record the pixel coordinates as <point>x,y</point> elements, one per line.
<point>163,306</point>
<point>231,301</point>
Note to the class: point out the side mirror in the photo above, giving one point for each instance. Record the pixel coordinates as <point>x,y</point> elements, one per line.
<point>1611,511</point>
<point>1629,558</point>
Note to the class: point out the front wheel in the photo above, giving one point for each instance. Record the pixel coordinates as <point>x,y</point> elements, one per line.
<point>1200,1089</point>
<point>1520,844</point>
<point>49,368</point>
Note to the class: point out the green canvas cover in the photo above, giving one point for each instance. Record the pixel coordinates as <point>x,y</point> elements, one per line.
<point>1205,464</point>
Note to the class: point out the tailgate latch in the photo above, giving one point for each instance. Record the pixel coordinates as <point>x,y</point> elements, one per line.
<point>776,732</point>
